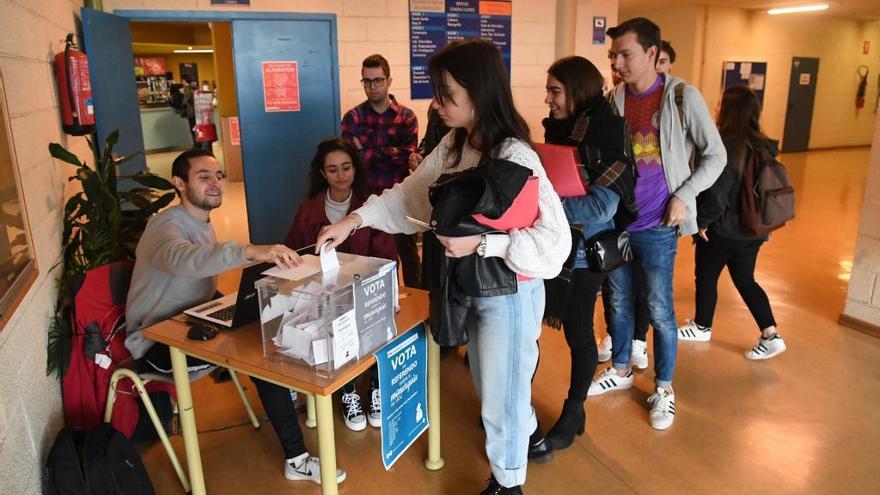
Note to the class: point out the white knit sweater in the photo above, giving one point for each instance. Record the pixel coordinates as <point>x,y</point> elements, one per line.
<point>538,251</point>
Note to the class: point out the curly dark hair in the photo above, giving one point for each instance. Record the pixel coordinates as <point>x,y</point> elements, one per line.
<point>318,183</point>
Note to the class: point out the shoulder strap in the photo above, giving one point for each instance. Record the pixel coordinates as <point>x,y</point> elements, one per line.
<point>679,102</point>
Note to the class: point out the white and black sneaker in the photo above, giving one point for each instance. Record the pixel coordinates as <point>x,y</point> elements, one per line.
<point>307,468</point>
<point>662,409</point>
<point>691,332</point>
<point>767,348</point>
<point>609,380</point>
<point>352,411</point>
<point>375,415</point>
<point>638,355</point>
<point>605,349</point>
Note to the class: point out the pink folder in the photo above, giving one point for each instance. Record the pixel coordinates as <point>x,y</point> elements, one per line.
<point>522,212</point>
<point>563,170</point>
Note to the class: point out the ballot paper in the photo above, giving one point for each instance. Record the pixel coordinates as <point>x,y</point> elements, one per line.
<point>311,265</point>
<point>329,260</point>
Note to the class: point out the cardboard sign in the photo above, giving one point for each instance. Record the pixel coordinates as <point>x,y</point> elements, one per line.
<point>281,86</point>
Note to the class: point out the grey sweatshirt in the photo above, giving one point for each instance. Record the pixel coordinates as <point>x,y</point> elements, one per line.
<point>677,144</point>
<point>178,259</point>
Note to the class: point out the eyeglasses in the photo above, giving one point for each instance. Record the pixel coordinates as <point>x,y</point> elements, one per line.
<point>377,82</point>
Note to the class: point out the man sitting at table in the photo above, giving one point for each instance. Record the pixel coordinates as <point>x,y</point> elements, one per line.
<point>178,260</point>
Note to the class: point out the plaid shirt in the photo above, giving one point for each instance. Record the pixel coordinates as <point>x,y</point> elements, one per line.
<point>384,141</point>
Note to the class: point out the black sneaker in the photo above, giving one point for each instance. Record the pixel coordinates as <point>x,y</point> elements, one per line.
<point>494,488</point>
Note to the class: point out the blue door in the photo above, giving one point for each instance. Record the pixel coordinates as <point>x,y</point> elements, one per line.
<point>107,40</point>
<point>277,143</point>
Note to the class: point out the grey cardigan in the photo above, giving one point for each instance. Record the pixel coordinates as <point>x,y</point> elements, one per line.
<point>677,144</point>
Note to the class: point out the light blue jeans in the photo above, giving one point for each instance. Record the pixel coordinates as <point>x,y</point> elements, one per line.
<point>503,353</point>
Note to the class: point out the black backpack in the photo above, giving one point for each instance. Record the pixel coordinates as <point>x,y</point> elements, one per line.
<point>95,462</point>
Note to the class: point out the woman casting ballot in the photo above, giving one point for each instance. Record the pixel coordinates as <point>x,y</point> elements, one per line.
<point>472,96</point>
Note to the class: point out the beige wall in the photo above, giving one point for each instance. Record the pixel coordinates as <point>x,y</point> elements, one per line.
<point>598,54</point>
<point>705,37</point>
<point>30,402</point>
<point>863,296</point>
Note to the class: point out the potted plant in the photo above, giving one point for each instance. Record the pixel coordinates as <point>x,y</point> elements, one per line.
<point>102,224</point>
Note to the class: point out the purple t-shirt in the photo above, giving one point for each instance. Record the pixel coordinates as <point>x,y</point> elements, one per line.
<point>642,113</point>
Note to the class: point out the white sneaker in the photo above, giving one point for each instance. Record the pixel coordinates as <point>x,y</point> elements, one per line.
<point>375,415</point>
<point>638,356</point>
<point>605,349</point>
<point>662,409</point>
<point>609,381</point>
<point>691,332</point>
<point>767,348</point>
<point>352,411</point>
<point>308,469</point>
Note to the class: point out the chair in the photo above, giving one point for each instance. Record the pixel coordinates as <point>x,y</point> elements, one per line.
<point>140,380</point>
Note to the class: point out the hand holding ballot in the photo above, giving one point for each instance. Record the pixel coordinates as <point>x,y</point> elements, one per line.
<point>335,234</point>
<point>279,254</point>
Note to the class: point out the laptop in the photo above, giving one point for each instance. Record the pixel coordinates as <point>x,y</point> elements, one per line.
<point>563,171</point>
<point>236,309</point>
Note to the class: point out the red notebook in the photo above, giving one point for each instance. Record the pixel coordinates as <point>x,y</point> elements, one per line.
<point>522,212</point>
<point>563,170</point>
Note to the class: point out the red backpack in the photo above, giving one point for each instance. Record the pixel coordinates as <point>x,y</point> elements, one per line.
<point>97,347</point>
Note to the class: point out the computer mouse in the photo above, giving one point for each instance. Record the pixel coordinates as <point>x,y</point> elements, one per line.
<point>201,331</point>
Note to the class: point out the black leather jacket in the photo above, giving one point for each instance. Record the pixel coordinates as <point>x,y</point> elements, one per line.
<point>488,189</point>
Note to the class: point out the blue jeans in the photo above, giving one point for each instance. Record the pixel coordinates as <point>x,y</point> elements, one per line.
<point>651,268</point>
<point>503,353</point>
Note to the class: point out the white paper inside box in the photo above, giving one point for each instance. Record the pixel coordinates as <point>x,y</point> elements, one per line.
<point>330,320</point>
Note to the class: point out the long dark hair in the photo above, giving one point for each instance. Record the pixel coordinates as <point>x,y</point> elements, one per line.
<point>318,183</point>
<point>477,66</point>
<point>739,120</point>
<point>582,81</point>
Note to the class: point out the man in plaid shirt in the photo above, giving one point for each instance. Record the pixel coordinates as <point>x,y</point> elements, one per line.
<point>385,133</point>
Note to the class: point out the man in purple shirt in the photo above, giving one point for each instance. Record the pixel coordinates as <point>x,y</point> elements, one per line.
<point>385,133</point>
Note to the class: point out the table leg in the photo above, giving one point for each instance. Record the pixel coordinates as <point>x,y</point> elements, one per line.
<point>434,462</point>
<point>187,421</point>
<point>326,444</point>
<point>311,421</point>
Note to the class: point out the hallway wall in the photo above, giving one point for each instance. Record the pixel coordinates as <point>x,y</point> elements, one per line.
<point>30,402</point>
<point>717,34</point>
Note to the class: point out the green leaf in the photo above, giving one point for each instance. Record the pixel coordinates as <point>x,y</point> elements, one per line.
<point>152,180</point>
<point>58,151</point>
<point>112,139</point>
<point>124,158</point>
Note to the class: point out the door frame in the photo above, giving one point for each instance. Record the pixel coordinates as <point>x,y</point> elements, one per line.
<point>229,16</point>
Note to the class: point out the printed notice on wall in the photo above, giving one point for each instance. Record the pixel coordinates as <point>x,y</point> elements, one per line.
<point>434,23</point>
<point>281,86</point>
<point>234,132</point>
<point>599,30</point>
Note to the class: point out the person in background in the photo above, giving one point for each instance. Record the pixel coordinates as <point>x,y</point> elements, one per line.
<point>385,133</point>
<point>178,260</point>
<point>666,59</point>
<point>338,186</point>
<point>472,95</point>
<point>189,105</point>
<point>666,192</point>
<point>721,241</point>
<point>580,116</point>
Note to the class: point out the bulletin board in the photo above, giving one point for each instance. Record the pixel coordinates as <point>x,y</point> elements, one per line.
<point>751,74</point>
<point>434,23</point>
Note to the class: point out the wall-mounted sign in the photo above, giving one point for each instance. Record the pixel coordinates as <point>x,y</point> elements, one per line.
<point>804,79</point>
<point>234,132</point>
<point>599,30</point>
<point>230,2</point>
<point>866,47</point>
<point>434,23</point>
<point>751,74</point>
<point>281,86</point>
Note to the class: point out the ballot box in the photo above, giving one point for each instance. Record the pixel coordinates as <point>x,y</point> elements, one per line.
<point>330,318</point>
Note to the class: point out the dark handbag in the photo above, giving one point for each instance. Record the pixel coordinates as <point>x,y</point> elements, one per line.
<point>608,250</point>
<point>558,289</point>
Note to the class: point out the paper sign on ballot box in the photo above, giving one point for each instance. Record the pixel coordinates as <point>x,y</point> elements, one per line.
<point>403,377</point>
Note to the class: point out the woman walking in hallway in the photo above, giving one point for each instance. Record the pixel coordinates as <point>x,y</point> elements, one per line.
<point>721,241</point>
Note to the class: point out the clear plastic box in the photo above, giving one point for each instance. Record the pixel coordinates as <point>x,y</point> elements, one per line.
<point>330,320</point>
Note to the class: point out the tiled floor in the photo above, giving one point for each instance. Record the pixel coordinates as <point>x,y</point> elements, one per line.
<point>805,422</point>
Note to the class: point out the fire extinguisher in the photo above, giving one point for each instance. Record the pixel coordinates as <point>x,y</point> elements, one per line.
<point>75,90</point>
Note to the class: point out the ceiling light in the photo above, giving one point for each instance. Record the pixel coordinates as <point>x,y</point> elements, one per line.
<point>802,8</point>
<point>208,50</point>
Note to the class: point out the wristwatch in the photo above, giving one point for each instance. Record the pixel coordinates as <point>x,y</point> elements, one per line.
<point>481,247</point>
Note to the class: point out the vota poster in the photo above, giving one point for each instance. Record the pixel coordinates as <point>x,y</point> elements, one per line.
<point>434,23</point>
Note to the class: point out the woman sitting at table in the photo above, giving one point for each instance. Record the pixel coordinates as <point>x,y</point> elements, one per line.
<point>337,186</point>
